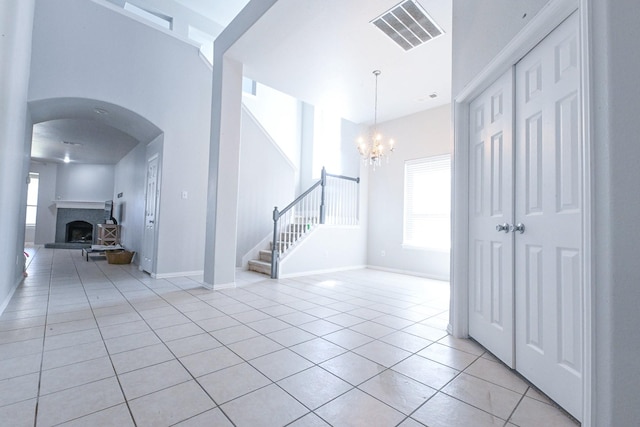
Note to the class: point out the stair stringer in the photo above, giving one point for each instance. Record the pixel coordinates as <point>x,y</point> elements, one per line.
<point>327,248</point>
<point>254,253</point>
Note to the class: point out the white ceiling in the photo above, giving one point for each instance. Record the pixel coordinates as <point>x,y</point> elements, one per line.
<point>320,51</point>
<point>324,52</point>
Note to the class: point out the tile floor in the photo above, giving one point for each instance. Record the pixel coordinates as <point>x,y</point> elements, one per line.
<point>92,344</point>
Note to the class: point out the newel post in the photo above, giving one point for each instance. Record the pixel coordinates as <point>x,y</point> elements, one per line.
<point>274,243</point>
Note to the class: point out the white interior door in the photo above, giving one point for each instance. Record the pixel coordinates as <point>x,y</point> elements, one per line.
<point>491,213</point>
<point>549,254</point>
<point>151,202</point>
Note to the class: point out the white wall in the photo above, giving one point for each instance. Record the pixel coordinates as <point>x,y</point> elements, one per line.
<point>101,54</point>
<point>84,182</point>
<point>482,29</point>
<point>46,216</point>
<point>419,135</point>
<point>266,180</point>
<point>129,180</point>
<point>16,20</point>
<point>279,115</point>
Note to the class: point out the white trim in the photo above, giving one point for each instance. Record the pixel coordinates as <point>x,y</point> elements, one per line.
<point>177,274</point>
<point>69,204</point>
<point>7,300</point>
<point>589,352</point>
<point>221,286</point>
<point>409,273</point>
<point>549,17</point>
<point>323,271</point>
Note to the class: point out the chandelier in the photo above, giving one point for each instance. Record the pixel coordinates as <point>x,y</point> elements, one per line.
<point>373,148</point>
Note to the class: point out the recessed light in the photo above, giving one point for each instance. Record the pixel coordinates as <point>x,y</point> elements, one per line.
<point>100,111</point>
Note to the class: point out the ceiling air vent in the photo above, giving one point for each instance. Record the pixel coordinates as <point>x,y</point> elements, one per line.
<point>408,25</point>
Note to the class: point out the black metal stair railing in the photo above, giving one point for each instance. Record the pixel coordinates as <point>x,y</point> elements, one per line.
<point>334,199</point>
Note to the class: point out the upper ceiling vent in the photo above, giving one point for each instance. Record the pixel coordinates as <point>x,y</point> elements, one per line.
<point>408,24</point>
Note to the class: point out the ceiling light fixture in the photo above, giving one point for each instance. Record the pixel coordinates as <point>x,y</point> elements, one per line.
<point>66,159</point>
<point>373,148</point>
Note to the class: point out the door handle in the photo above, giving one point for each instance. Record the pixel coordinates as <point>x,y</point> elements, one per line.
<point>518,227</point>
<point>503,227</point>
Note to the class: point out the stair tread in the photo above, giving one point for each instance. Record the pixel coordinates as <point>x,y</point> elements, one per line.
<point>259,262</point>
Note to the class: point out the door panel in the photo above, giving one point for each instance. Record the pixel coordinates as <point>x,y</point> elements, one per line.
<point>491,203</point>
<point>548,186</point>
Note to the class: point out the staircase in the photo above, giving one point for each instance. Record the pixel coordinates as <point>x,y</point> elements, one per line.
<point>331,200</point>
<point>288,239</point>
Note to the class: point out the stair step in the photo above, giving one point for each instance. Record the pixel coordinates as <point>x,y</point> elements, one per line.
<point>260,266</point>
<point>265,255</point>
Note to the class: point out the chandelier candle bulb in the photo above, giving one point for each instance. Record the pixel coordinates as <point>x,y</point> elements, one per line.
<point>373,149</point>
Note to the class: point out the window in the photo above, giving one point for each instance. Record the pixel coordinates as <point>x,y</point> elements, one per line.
<point>32,198</point>
<point>427,203</point>
<point>327,129</point>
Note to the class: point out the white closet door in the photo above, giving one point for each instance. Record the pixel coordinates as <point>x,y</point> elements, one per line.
<point>491,205</point>
<point>548,189</point>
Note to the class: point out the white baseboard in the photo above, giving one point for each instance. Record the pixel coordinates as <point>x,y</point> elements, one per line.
<point>327,270</point>
<point>177,274</point>
<point>221,286</point>
<point>410,273</point>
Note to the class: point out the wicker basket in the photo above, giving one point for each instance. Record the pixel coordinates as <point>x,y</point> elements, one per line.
<point>119,257</point>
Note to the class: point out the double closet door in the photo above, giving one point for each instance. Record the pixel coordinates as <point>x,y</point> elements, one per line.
<point>526,218</point>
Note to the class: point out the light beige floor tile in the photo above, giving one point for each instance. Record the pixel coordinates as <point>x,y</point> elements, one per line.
<point>193,344</point>
<point>398,391</point>
<point>348,339</point>
<point>80,373</point>
<point>166,321</point>
<point>250,316</point>
<point>21,348</point>
<point>123,329</point>
<point>17,389</point>
<point>320,327</point>
<point>271,324</point>
<point>372,329</point>
<point>314,387</point>
<point>70,339</point>
<point>318,350</point>
<point>449,356</point>
<point>382,353</point>
<point>280,364</point>
<point>497,373</point>
<point>234,334</point>
<point>73,354</point>
<point>115,416</point>
<point>291,336</point>
<point>140,358</point>
<point>356,408</point>
<point>72,326</point>
<point>309,420</point>
<point>467,345</point>
<point>394,322</point>
<point>171,333</point>
<point>533,393</point>
<point>254,347</point>
<point>217,323</point>
<point>426,371</point>
<point>16,335</point>
<point>482,394</point>
<point>21,414</point>
<point>235,381</point>
<point>79,401</point>
<point>153,378</point>
<point>171,405</point>
<point>406,341</point>
<point>445,411</point>
<point>297,318</point>
<point>212,418</point>
<point>205,362</point>
<point>131,342</point>
<point>352,368</point>
<point>533,413</point>
<point>410,422</point>
<point>267,407</point>
<point>426,332</point>
<point>345,320</point>
<point>19,366</point>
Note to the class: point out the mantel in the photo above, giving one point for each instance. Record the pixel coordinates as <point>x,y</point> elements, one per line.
<point>68,204</point>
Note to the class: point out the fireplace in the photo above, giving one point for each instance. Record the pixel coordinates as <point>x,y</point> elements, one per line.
<point>79,232</point>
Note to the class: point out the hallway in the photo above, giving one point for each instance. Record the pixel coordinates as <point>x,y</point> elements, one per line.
<point>88,343</point>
